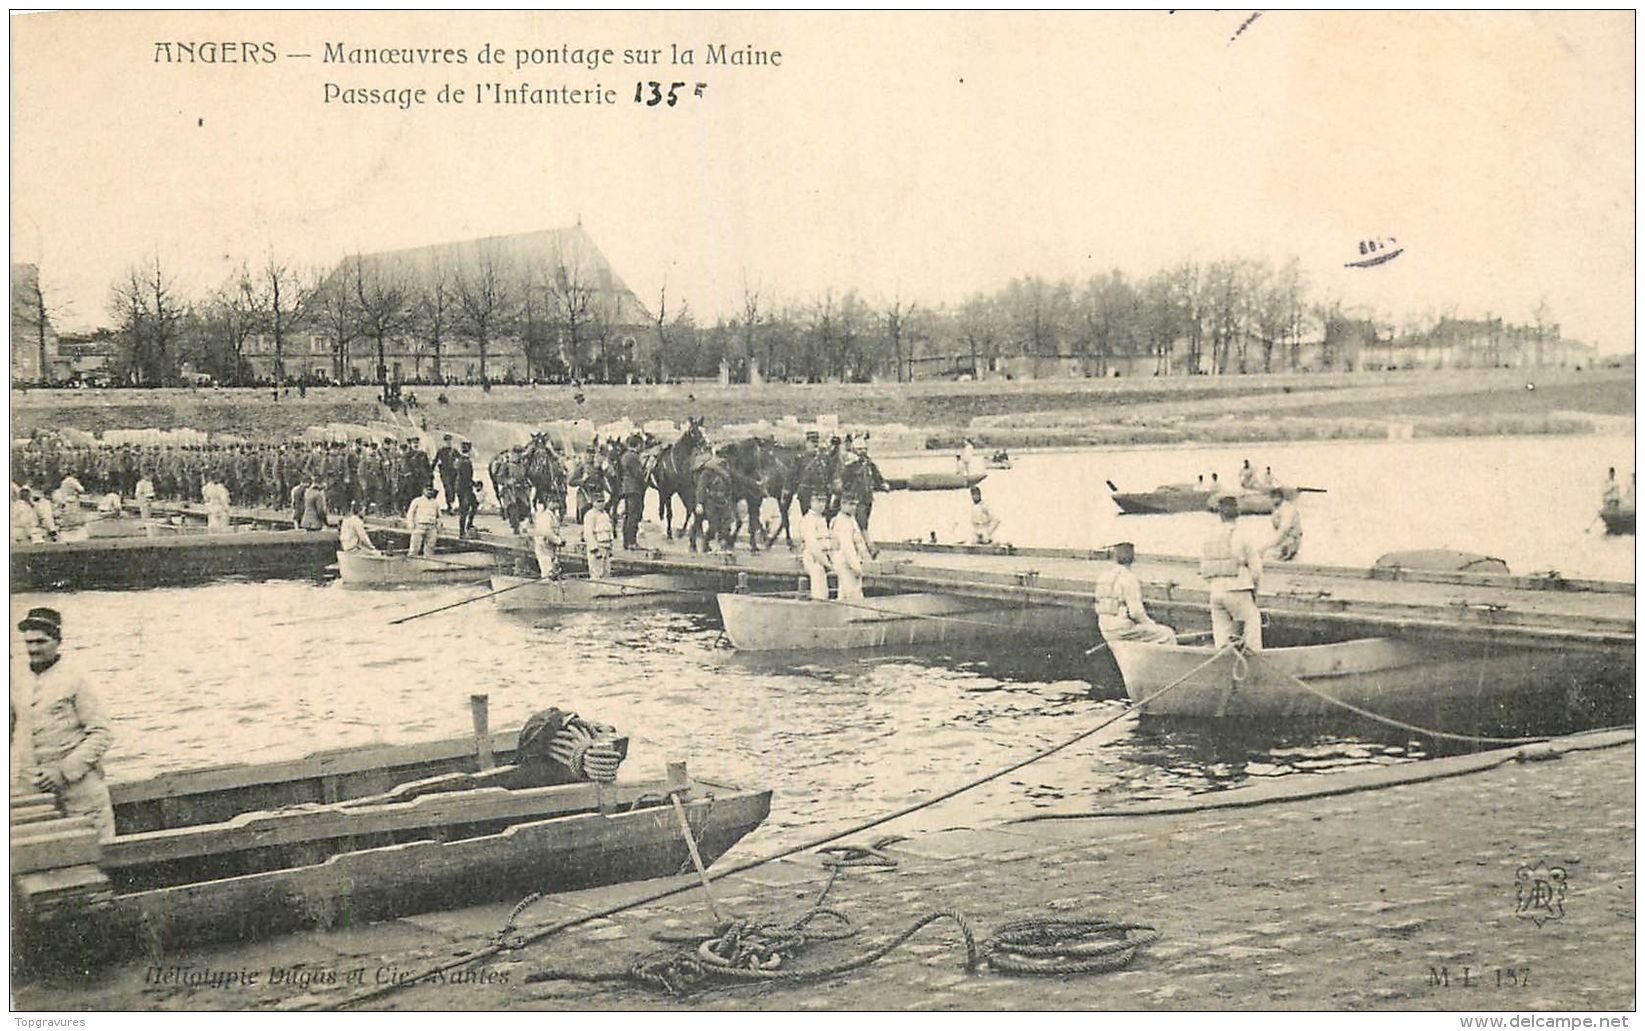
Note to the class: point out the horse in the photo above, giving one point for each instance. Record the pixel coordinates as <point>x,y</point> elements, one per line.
<point>670,471</point>
<point>758,471</point>
<point>544,471</point>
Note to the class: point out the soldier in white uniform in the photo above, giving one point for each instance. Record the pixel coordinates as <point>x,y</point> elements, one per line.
<point>59,730</point>
<point>1287,539</point>
<point>1121,614</point>
<point>817,546</point>
<point>1232,568</point>
<point>851,552</point>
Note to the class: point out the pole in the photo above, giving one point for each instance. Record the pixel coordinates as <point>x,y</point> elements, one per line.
<point>480,707</point>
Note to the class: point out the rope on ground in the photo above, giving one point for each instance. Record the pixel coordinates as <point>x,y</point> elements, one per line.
<point>1400,724</point>
<point>1086,945</point>
<point>553,929</point>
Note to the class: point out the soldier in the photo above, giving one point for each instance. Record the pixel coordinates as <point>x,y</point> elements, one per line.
<point>1121,614</point>
<point>587,477</point>
<point>814,473</point>
<point>467,502</point>
<point>715,505</point>
<point>859,479</point>
<point>631,476</point>
<point>1232,568</point>
<point>445,461</point>
<point>418,467</point>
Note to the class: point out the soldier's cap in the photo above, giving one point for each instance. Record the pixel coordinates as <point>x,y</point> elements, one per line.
<point>49,621</point>
<point>834,440</point>
<point>466,445</point>
<point>448,436</point>
<point>1123,548</point>
<point>813,437</point>
<point>848,502</point>
<point>635,440</point>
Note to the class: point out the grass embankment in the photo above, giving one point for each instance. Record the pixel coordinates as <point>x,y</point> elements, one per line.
<point>1342,406</point>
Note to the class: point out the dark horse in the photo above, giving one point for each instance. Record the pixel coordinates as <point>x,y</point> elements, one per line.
<point>760,469</point>
<point>544,471</point>
<point>670,471</point>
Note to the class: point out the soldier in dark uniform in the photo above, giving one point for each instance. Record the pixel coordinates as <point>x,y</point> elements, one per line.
<point>467,502</point>
<point>814,475</point>
<point>631,478</point>
<point>715,504</point>
<point>445,462</point>
<point>860,478</point>
<point>418,468</point>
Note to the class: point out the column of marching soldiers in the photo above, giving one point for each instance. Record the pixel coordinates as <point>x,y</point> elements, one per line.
<point>383,478</point>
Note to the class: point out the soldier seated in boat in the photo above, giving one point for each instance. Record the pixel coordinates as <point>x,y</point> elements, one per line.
<point>1121,614</point>
<point>983,521</point>
<point>352,535</point>
<point>1232,568</point>
<point>1287,540</point>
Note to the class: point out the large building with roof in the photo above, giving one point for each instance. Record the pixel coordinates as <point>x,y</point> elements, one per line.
<point>551,305</point>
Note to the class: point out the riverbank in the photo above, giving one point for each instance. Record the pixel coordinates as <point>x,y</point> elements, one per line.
<point>992,413</point>
<point>1403,898</point>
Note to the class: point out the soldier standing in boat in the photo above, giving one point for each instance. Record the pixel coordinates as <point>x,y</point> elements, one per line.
<point>817,546</point>
<point>59,730</point>
<point>851,552</point>
<point>1232,568</point>
<point>1287,524</point>
<point>1611,494</point>
<point>315,510</point>
<point>1121,614</point>
<point>597,536</point>
<point>423,522</point>
<point>546,538</point>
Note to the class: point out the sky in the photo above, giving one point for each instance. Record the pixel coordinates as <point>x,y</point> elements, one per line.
<point>922,156</point>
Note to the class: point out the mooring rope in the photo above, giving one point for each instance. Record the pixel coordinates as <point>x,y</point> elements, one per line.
<point>1398,724</point>
<point>523,940</point>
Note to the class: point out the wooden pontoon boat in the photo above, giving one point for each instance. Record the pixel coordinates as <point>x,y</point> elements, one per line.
<point>370,569</point>
<point>355,835</point>
<point>755,623</point>
<point>617,594</point>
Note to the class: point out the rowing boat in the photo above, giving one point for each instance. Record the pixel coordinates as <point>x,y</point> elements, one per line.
<point>372,569</point>
<point>343,837</point>
<point>935,481</point>
<point>521,594</point>
<point>755,623</point>
<point>1182,497</point>
<point>1396,677</point>
<point>1436,560</point>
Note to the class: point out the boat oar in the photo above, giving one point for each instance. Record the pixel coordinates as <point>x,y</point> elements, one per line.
<point>1311,490</point>
<point>465,601</point>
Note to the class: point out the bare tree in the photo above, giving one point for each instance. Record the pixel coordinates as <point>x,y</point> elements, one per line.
<point>486,301</point>
<point>383,298</point>
<point>980,329</point>
<point>751,324</point>
<point>150,312</point>
<point>434,309</point>
<point>232,317</point>
<point>333,309</point>
<point>896,327</point>
<point>283,298</point>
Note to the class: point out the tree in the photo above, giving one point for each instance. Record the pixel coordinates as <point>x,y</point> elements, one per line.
<point>383,296</point>
<point>980,328</point>
<point>896,327</point>
<point>149,312</point>
<point>283,298</point>
<point>433,310</point>
<point>229,318</point>
<point>332,308</point>
<point>485,299</point>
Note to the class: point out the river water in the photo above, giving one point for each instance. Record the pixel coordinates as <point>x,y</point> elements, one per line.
<point>1532,502</point>
<point>254,672</point>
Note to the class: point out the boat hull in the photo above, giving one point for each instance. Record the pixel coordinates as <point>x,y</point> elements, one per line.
<point>365,569</point>
<point>1399,678</point>
<point>619,594</point>
<point>244,851</point>
<point>1161,502</point>
<point>764,624</point>
<point>935,481</point>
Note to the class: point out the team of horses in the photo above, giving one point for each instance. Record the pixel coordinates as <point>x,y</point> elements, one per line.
<point>758,468</point>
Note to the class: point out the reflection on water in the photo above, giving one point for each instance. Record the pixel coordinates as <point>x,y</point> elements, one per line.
<point>237,672</point>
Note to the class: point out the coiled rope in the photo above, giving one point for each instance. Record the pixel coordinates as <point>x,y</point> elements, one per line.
<point>1068,946</point>
<point>523,940</point>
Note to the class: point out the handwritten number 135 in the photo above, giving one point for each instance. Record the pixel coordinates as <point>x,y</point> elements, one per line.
<point>656,93</point>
